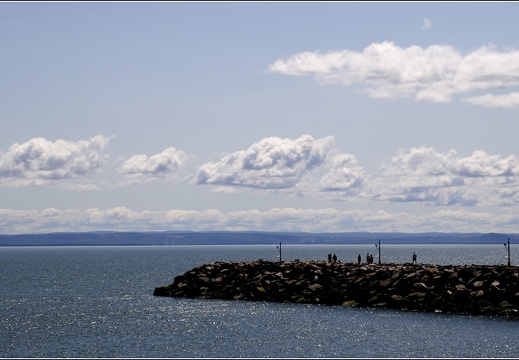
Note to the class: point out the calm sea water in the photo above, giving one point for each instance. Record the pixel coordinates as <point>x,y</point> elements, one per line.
<point>98,302</point>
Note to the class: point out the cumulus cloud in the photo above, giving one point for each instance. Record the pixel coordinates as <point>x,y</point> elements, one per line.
<point>40,161</point>
<point>430,177</point>
<point>272,163</point>
<point>143,168</point>
<point>434,74</point>
<point>165,162</point>
<point>339,178</point>
<point>344,176</point>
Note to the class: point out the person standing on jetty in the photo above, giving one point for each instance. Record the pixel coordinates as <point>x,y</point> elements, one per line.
<point>414,258</point>
<point>359,259</point>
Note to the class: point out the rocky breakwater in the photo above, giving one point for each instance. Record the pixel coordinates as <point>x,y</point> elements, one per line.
<point>469,289</point>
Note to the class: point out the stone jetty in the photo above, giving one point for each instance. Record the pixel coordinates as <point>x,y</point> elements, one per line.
<point>467,289</point>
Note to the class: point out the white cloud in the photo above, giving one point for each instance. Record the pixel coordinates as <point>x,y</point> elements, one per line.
<point>167,161</point>
<point>339,178</point>
<point>277,219</point>
<point>429,177</point>
<point>272,163</point>
<point>435,74</point>
<point>426,24</point>
<point>344,174</point>
<point>40,161</point>
<point>142,168</point>
<point>510,100</point>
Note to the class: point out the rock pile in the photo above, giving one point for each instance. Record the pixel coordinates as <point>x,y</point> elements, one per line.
<point>469,289</point>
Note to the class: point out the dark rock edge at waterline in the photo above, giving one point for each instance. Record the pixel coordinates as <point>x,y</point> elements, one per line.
<point>467,289</point>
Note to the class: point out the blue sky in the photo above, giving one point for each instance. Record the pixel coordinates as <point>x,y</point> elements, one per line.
<point>267,116</point>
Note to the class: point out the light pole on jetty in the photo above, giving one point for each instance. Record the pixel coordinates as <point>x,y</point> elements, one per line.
<point>508,246</point>
<point>378,246</point>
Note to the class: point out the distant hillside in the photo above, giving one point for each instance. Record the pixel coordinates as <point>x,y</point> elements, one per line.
<point>250,238</point>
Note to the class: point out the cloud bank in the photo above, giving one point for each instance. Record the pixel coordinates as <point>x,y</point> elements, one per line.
<point>437,73</point>
<point>277,219</point>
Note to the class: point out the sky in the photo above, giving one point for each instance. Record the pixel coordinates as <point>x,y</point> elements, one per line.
<point>259,116</point>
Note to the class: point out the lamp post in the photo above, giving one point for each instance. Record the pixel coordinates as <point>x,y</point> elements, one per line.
<point>378,246</point>
<point>279,247</point>
<point>507,245</point>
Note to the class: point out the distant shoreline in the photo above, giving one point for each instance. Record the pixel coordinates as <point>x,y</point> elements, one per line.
<point>107,238</point>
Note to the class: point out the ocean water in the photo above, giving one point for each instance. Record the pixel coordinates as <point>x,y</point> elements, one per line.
<point>58,302</point>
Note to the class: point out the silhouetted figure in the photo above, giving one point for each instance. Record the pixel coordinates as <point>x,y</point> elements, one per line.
<point>359,259</point>
<point>367,258</point>
<point>371,258</point>
<point>330,257</point>
<point>414,258</point>
<point>334,258</point>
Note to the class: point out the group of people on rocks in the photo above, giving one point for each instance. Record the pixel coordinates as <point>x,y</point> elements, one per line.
<point>369,258</point>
